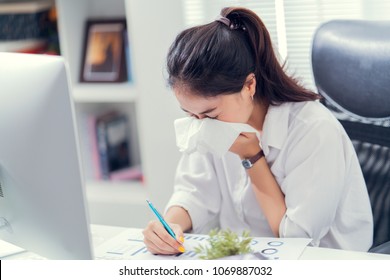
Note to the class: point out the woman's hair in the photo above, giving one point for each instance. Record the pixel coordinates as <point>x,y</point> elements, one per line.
<point>217,57</point>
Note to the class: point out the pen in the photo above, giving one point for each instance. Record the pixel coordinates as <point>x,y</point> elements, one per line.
<point>164,223</point>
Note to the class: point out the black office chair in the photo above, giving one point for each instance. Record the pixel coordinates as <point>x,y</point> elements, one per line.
<point>351,68</point>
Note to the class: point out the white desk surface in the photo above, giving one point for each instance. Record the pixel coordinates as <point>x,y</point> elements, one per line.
<point>102,233</point>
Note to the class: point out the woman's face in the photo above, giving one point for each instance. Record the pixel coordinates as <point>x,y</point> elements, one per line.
<point>235,107</point>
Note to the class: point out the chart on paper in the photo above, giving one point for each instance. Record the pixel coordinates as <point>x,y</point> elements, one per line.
<point>129,245</point>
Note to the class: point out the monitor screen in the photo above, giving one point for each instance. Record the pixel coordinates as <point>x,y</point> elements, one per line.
<point>42,195</point>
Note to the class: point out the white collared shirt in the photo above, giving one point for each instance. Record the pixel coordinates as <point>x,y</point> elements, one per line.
<point>316,167</point>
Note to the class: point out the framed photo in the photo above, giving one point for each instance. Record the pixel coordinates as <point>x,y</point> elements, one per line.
<point>104,51</point>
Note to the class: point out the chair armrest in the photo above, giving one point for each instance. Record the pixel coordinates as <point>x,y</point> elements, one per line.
<point>384,248</point>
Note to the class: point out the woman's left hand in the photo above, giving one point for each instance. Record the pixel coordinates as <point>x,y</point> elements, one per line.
<point>246,145</point>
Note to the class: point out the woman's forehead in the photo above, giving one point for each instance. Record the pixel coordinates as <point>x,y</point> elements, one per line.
<point>195,103</point>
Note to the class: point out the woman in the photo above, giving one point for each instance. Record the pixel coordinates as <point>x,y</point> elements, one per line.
<point>304,180</point>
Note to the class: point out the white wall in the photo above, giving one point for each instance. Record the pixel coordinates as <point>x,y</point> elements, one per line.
<point>153,25</point>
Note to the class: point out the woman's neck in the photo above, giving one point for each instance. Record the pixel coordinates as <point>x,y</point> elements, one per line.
<point>258,115</point>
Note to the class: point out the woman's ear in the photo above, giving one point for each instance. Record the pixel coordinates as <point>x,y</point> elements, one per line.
<point>250,85</point>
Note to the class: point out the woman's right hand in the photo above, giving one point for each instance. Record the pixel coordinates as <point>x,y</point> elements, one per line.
<point>159,241</point>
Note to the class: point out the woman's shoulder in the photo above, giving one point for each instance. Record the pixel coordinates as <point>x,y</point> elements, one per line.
<point>310,112</point>
<point>290,115</point>
<point>308,115</point>
<point>312,121</point>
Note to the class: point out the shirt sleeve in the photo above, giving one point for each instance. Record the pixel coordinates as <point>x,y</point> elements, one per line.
<point>314,183</point>
<point>197,190</point>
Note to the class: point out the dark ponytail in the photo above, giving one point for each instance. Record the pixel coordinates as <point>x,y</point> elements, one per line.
<point>216,58</point>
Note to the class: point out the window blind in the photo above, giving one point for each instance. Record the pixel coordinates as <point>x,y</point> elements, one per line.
<point>302,18</point>
<point>204,11</point>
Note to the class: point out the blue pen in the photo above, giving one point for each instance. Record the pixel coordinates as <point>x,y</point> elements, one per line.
<point>165,224</point>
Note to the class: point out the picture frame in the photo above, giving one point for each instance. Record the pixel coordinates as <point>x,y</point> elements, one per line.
<point>104,54</point>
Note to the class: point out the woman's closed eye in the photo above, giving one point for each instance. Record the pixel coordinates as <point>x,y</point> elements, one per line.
<point>202,117</point>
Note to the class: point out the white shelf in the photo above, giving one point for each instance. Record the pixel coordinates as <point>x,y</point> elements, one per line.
<point>118,203</point>
<point>132,192</point>
<point>147,101</point>
<point>102,93</point>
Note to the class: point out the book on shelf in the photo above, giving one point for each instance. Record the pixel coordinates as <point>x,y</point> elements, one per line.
<point>91,148</point>
<point>29,26</point>
<point>24,6</point>
<point>110,148</point>
<point>20,20</point>
<point>24,46</point>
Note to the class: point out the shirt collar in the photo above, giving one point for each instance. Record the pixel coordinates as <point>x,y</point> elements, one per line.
<point>275,127</point>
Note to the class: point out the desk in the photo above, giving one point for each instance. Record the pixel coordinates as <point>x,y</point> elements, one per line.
<point>103,233</point>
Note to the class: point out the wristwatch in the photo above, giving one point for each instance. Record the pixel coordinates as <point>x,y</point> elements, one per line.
<point>249,162</point>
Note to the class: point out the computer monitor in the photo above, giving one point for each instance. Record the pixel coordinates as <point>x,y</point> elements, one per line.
<point>42,198</point>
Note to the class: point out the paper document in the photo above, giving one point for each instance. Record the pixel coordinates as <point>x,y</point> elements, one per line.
<point>129,245</point>
<point>7,249</point>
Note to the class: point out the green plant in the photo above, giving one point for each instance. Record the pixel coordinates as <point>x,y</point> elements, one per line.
<point>224,243</point>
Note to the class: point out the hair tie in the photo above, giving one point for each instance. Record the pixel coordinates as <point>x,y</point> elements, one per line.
<point>224,20</point>
<point>234,25</point>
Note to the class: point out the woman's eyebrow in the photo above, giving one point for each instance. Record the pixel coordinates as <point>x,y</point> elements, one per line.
<point>202,113</point>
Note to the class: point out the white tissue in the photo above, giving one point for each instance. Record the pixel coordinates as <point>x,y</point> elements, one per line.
<point>208,135</point>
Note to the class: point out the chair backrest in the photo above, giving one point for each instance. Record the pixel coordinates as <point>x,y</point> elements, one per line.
<point>351,68</point>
